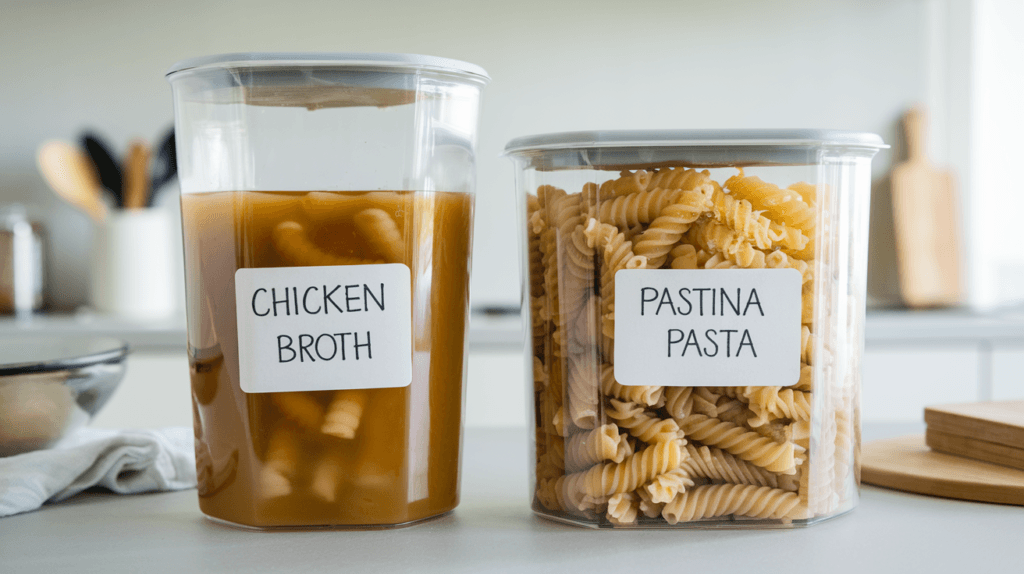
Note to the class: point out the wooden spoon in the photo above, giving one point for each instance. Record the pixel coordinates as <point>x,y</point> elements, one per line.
<point>136,175</point>
<point>71,174</point>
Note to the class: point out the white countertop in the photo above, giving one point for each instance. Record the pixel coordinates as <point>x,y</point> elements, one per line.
<point>493,530</point>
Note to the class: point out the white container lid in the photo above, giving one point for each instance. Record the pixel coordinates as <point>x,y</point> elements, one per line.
<point>340,59</point>
<point>618,149</point>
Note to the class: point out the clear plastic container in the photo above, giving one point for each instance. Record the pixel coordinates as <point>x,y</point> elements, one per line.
<point>696,302</point>
<point>327,207</point>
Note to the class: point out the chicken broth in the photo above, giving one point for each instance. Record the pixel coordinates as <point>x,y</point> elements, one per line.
<point>345,457</point>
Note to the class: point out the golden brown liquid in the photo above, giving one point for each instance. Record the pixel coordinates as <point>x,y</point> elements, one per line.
<point>262,461</point>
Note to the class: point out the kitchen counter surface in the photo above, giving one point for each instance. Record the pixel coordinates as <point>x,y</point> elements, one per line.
<point>493,530</point>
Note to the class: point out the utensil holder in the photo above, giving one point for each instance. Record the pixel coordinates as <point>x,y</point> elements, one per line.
<point>132,270</point>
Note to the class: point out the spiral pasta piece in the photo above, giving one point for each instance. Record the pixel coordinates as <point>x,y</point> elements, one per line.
<point>719,261</point>
<point>781,205</point>
<point>623,508</point>
<point>344,413</point>
<point>591,199</point>
<point>788,238</point>
<point>779,431</point>
<point>562,212</point>
<point>570,495</point>
<point>713,236</point>
<point>678,178</point>
<point>779,260</point>
<point>732,499</point>
<point>644,395</point>
<point>628,182</point>
<point>632,233</point>
<point>703,256</point>
<point>583,393</point>
<point>669,227</point>
<point>739,215</point>
<point>807,303</point>
<point>606,479</point>
<point>684,256</point>
<point>291,241</point>
<point>733,411</point>
<point>716,464</point>
<point>553,462</point>
<point>739,393</point>
<point>559,422</point>
<point>641,424</point>
<point>666,486</point>
<point>775,403</point>
<point>806,345</point>
<point>600,444</point>
<point>638,208</point>
<point>616,253</point>
<point>648,507</point>
<point>539,311</point>
<point>806,379</point>
<point>540,372</point>
<point>547,495</point>
<point>681,402</point>
<point>748,445</point>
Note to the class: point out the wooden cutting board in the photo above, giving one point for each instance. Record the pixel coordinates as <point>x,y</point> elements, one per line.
<point>926,224</point>
<point>991,431</point>
<point>906,463</point>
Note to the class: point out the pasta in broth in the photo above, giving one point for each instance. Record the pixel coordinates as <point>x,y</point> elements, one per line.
<point>345,457</point>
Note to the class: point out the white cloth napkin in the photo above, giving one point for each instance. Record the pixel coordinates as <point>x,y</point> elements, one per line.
<point>125,462</point>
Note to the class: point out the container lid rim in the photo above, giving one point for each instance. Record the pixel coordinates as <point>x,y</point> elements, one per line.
<point>354,59</point>
<point>691,138</point>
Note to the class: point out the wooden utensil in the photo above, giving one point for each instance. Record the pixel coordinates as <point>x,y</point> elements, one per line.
<point>991,431</point>
<point>926,222</point>
<point>136,175</point>
<point>906,463</point>
<point>165,165</point>
<point>71,174</point>
<point>106,166</point>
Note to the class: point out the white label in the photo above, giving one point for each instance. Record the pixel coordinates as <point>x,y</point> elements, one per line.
<point>324,328</point>
<point>707,327</point>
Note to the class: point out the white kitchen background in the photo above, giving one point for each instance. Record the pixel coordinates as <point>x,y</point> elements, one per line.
<point>847,64</point>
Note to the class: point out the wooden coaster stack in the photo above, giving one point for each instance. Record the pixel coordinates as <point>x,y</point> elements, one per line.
<point>992,432</point>
<point>971,451</point>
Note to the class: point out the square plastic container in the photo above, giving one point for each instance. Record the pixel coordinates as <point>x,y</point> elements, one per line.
<point>327,207</point>
<point>696,303</point>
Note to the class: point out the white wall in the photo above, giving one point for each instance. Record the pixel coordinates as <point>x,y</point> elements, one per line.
<point>997,119</point>
<point>854,64</point>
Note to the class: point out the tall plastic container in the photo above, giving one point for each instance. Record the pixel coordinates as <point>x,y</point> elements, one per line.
<point>696,302</point>
<point>327,207</point>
